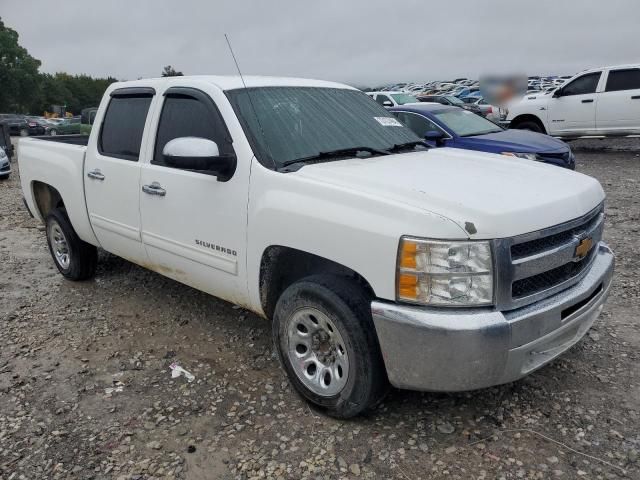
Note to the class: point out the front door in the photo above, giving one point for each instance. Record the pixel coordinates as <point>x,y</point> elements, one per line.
<point>575,110</point>
<point>194,226</point>
<point>619,105</point>
<point>112,174</point>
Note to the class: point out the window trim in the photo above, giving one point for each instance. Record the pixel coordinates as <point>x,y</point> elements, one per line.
<point>133,92</point>
<point>449,136</point>
<point>200,96</point>
<point>628,69</point>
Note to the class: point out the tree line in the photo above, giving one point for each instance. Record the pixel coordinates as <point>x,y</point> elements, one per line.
<point>24,89</point>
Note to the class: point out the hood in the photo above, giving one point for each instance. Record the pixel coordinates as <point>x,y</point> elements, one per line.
<point>517,141</point>
<point>500,196</point>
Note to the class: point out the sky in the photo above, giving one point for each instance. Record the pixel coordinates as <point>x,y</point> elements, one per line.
<point>364,43</point>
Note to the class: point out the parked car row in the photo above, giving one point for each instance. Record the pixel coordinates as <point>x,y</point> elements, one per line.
<point>596,102</point>
<point>27,125</point>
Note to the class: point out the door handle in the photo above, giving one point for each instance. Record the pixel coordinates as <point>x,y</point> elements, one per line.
<point>96,174</point>
<point>154,189</point>
<point>588,100</point>
<point>635,97</point>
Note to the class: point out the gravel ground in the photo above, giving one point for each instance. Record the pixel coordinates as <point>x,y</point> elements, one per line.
<point>86,389</point>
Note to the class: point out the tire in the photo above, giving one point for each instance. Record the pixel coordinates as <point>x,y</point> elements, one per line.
<point>24,132</point>
<point>75,259</point>
<point>4,177</point>
<point>338,364</point>
<point>530,125</point>
<point>53,132</point>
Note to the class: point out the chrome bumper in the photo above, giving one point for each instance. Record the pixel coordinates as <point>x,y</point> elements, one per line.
<point>437,349</point>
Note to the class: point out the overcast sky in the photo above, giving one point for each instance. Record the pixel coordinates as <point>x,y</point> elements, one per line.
<point>359,42</point>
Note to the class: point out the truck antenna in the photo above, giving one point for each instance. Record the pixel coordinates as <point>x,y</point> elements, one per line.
<point>255,112</point>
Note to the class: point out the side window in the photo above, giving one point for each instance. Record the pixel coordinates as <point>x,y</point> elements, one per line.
<point>419,124</point>
<point>382,98</point>
<point>628,79</point>
<point>582,85</point>
<point>123,126</point>
<point>184,115</point>
<point>441,100</point>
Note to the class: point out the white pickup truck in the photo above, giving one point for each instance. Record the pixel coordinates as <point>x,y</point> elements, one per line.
<point>377,259</point>
<point>597,102</point>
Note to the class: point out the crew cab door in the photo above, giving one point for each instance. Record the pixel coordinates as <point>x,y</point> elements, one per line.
<point>574,111</point>
<point>112,173</point>
<point>618,109</point>
<point>193,225</point>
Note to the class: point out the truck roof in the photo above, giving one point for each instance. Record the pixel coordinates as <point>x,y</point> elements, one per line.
<point>231,82</point>
<point>598,69</point>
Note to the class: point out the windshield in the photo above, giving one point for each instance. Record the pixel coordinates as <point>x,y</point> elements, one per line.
<point>284,124</point>
<point>465,123</point>
<point>402,98</point>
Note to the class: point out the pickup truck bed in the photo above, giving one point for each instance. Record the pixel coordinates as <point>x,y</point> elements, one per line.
<point>82,140</point>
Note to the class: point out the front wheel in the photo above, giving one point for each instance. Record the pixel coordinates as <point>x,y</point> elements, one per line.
<point>327,344</point>
<point>24,132</point>
<point>529,125</point>
<point>53,132</point>
<point>74,258</point>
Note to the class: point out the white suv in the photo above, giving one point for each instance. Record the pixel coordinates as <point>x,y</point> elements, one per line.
<point>597,102</point>
<point>393,99</point>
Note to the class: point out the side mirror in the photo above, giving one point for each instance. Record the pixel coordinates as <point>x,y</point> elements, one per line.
<point>557,93</point>
<point>199,155</point>
<point>435,137</point>
<point>387,103</point>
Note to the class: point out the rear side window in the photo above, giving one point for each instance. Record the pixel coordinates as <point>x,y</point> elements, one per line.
<point>623,80</point>
<point>420,125</point>
<point>123,126</point>
<point>184,115</point>
<point>582,85</point>
<point>383,98</point>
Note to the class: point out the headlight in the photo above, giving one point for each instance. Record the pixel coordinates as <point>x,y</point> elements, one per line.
<point>450,273</point>
<point>528,156</point>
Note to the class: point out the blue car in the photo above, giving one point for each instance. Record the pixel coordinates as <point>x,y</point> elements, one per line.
<point>448,126</point>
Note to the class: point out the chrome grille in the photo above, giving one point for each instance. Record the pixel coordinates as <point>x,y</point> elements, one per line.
<point>538,264</point>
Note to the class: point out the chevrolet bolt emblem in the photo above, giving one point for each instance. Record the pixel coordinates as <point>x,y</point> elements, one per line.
<point>583,248</point>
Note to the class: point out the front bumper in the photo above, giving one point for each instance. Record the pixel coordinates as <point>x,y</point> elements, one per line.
<point>436,349</point>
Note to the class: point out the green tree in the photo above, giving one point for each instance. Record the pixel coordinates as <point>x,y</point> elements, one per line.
<point>19,77</point>
<point>169,71</point>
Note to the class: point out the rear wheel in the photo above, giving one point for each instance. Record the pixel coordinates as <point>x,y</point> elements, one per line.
<point>326,341</point>
<point>24,132</point>
<point>530,125</point>
<point>74,258</point>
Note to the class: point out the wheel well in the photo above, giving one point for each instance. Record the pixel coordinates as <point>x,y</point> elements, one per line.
<point>281,266</point>
<point>46,198</point>
<point>527,118</point>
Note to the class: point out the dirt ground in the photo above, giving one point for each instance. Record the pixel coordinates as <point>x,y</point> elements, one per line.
<point>63,344</point>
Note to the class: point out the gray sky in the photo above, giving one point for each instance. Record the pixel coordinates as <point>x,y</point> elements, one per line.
<point>358,42</point>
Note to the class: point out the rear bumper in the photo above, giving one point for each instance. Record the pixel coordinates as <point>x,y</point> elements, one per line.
<point>465,349</point>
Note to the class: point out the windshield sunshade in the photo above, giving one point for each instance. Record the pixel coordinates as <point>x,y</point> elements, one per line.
<point>285,124</point>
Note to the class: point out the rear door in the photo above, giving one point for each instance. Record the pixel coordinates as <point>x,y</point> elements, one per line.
<point>575,111</point>
<point>618,109</point>
<point>194,226</point>
<point>112,173</point>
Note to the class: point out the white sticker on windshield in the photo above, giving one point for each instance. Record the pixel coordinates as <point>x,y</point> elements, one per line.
<point>388,121</point>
